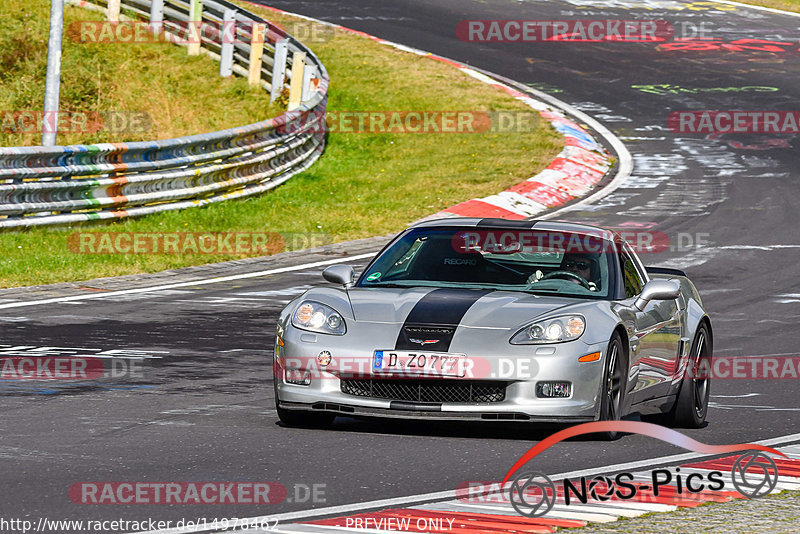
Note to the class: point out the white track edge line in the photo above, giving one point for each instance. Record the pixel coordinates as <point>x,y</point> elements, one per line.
<point>451,494</point>
<point>200,282</point>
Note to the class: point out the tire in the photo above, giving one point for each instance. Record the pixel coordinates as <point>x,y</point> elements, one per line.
<point>613,385</point>
<point>691,406</point>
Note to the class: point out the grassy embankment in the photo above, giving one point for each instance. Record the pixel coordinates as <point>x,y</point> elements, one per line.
<point>786,5</point>
<point>366,184</point>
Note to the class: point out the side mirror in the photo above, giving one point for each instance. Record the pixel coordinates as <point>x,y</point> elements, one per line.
<point>658,289</point>
<point>340,274</point>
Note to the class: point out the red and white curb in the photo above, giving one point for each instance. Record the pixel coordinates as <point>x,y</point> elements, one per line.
<point>452,511</point>
<point>579,167</point>
<point>470,515</point>
<point>573,174</point>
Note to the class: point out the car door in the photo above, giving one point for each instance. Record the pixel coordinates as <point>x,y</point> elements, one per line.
<point>656,336</point>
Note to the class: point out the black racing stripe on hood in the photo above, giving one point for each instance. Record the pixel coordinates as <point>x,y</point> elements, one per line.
<point>433,320</point>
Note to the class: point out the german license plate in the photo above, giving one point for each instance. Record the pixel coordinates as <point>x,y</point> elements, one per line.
<point>418,363</point>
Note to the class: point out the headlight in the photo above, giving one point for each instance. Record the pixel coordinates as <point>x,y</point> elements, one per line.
<point>553,330</point>
<point>317,317</point>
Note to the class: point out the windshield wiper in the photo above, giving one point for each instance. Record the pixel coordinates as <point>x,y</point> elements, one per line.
<point>541,290</point>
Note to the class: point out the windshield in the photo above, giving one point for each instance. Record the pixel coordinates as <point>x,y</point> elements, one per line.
<point>535,261</point>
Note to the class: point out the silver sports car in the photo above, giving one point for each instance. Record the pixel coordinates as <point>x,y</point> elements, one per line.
<point>490,319</point>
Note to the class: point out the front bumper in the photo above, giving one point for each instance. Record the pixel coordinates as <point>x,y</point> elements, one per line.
<point>409,412</point>
<point>520,367</point>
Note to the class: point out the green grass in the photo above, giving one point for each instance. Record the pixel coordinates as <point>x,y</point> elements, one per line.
<point>786,5</point>
<point>364,185</point>
<point>182,95</point>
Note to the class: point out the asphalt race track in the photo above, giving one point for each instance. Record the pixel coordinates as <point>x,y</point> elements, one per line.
<point>202,407</point>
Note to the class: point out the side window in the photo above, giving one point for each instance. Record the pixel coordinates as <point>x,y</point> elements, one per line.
<point>632,279</point>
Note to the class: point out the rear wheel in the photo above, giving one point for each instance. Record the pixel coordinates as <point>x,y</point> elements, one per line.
<point>613,386</point>
<point>691,406</point>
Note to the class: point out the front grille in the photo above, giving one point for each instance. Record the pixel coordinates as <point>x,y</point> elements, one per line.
<point>426,390</point>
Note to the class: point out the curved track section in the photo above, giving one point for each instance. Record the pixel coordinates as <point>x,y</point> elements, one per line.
<point>201,409</point>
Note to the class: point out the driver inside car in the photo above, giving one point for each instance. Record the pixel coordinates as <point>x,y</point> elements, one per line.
<point>584,265</point>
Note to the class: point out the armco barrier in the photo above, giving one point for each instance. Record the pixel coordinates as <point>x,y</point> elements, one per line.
<point>69,184</point>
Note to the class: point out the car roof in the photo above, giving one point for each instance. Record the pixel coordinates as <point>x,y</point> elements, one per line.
<point>506,224</point>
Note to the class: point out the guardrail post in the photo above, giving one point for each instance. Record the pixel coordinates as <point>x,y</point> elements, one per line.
<point>113,10</point>
<point>279,68</point>
<point>156,16</point>
<point>256,52</point>
<point>52,84</point>
<point>195,20</point>
<point>309,75</point>
<point>296,87</point>
<point>227,38</point>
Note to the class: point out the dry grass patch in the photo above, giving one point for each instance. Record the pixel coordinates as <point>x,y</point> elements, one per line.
<point>181,95</point>
<point>365,184</point>
<point>786,5</point>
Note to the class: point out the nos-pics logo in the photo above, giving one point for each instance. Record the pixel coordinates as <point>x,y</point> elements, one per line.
<point>534,494</point>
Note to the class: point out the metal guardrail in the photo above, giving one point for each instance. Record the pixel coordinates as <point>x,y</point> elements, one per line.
<point>70,184</point>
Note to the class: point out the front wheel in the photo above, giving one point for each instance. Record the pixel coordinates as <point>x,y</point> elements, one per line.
<point>691,406</point>
<point>613,385</point>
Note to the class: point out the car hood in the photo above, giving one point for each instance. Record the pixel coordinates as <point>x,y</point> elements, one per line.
<point>463,307</point>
